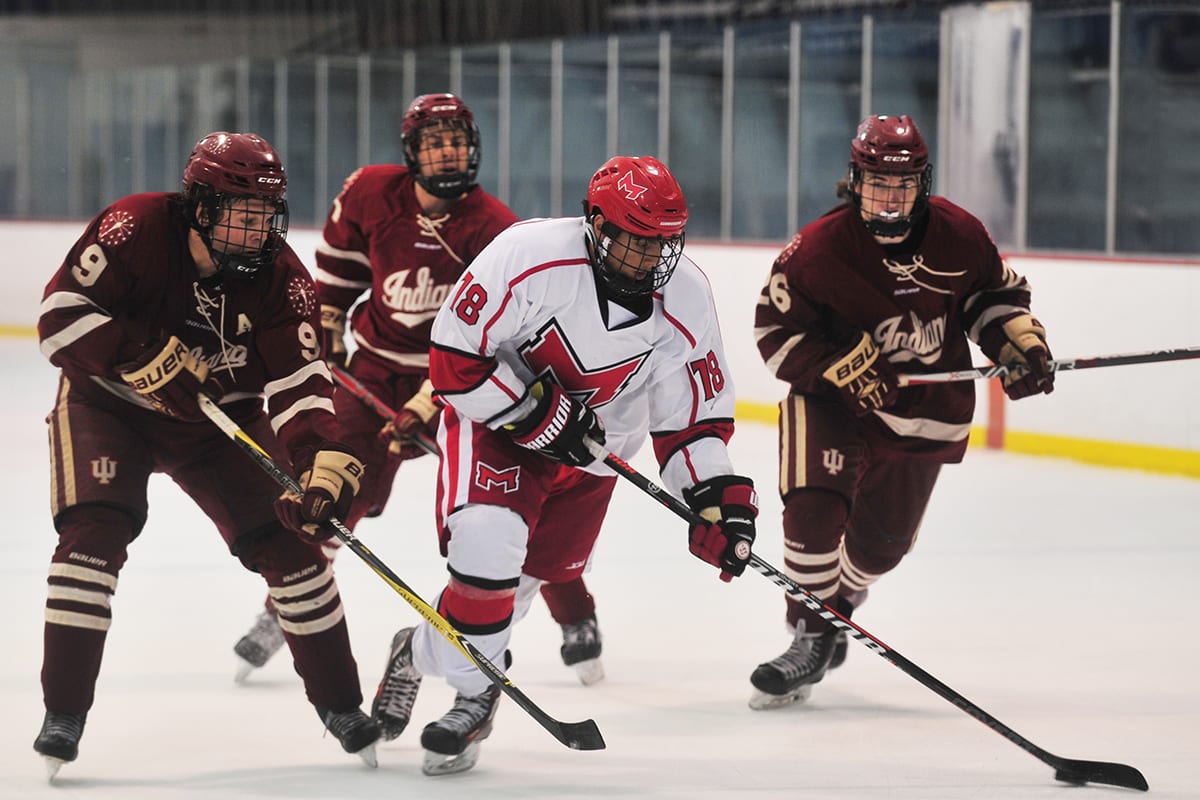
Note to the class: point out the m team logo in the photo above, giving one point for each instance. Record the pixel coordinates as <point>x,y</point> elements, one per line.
<point>488,478</point>
<point>631,189</point>
<point>550,352</point>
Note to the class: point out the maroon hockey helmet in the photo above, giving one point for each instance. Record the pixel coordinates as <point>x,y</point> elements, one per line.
<point>449,112</point>
<point>636,195</point>
<point>227,167</point>
<point>891,146</point>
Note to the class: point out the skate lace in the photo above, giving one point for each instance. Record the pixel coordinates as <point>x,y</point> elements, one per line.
<point>469,713</point>
<point>346,723</point>
<point>399,691</point>
<point>801,657</point>
<point>580,633</point>
<point>266,631</point>
<point>63,726</point>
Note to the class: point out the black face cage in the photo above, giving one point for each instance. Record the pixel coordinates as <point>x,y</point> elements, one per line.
<point>446,185</point>
<point>898,225</point>
<point>228,253</point>
<point>640,281</point>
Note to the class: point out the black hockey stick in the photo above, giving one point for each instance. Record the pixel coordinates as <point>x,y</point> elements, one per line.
<point>1068,770</point>
<point>576,735</point>
<point>354,386</point>
<point>1058,365</point>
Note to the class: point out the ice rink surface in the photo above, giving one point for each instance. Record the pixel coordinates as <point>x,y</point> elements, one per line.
<point>1060,598</point>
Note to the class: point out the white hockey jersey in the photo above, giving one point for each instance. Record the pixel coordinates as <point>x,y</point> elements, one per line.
<point>529,307</point>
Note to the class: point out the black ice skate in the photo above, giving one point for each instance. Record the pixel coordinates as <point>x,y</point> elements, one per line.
<point>790,677</point>
<point>258,645</point>
<point>397,691</point>
<point>356,732</point>
<point>58,740</point>
<point>452,742</point>
<point>840,645</point>
<point>581,650</point>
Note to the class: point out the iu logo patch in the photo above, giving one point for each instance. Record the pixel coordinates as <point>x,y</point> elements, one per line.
<point>104,469</point>
<point>488,478</point>
<point>833,461</point>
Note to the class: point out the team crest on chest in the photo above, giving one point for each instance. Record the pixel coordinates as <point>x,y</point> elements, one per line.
<point>550,351</point>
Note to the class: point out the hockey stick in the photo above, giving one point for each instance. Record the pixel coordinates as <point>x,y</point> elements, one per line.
<point>354,386</point>
<point>1067,770</point>
<point>1058,365</point>
<point>576,735</point>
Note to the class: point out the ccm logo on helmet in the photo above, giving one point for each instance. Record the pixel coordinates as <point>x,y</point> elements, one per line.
<point>897,158</point>
<point>270,181</point>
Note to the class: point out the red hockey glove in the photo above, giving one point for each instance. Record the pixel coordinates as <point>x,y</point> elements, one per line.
<point>865,381</point>
<point>730,504</point>
<point>171,378</point>
<point>333,334</point>
<point>558,426</point>
<point>1027,357</point>
<point>413,422</point>
<point>328,489</point>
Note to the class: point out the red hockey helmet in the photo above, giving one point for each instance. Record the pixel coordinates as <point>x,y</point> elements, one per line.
<point>222,169</point>
<point>636,195</point>
<point>448,112</point>
<point>890,146</point>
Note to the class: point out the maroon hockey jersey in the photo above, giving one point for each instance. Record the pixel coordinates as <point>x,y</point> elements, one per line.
<point>920,302</point>
<point>129,282</point>
<point>377,237</point>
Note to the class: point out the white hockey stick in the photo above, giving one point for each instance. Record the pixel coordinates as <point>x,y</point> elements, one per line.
<point>1058,365</point>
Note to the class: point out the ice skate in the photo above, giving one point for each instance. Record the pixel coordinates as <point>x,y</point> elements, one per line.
<point>840,645</point>
<point>789,678</point>
<point>581,650</point>
<point>258,645</point>
<point>355,731</point>
<point>397,692</point>
<point>58,741</point>
<point>452,742</point>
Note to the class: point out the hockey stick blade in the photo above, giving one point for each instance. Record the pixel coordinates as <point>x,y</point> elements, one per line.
<point>575,735</point>
<point>355,387</point>
<point>1068,770</point>
<point>1058,365</point>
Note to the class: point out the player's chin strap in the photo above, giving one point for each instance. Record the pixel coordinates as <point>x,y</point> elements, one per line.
<point>576,735</point>
<point>1066,769</point>
<point>1057,365</point>
<point>355,387</point>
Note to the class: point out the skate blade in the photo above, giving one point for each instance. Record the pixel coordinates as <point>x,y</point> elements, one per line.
<point>441,764</point>
<point>244,668</point>
<point>53,765</point>
<point>367,754</point>
<point>761,701</point>
<point>590,671</point>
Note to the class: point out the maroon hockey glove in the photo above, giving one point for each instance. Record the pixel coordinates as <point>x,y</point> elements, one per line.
<point>558,426</point>
<point>730,504</point>
<point>1027,357</point>
<point>333,334</point>
<point>864,381</point>
<point>171,378</point>
<point>328,489</point>
<point>415,420</point>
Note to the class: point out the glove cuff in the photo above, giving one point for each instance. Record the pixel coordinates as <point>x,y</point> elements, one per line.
<point>164,366</point>
<point>333,467</point>
<point>708,497</point>
<point>854,363</point>
<point>333,319</point>
<point>422,403</point>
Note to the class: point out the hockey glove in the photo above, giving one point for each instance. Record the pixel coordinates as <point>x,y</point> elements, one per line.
<point>729,504</point>
<point>413,423</point>
<point>1027,357</point>
<point>558,426</point>
<point>864,381</point>
<point>333,334</point>
<point>327,490</point>
<point>171,378</point>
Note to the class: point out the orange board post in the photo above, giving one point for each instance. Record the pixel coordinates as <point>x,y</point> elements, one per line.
<point>995,428</point>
